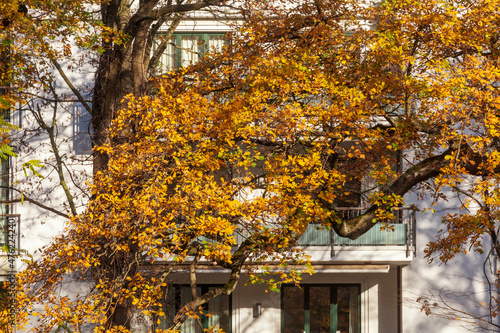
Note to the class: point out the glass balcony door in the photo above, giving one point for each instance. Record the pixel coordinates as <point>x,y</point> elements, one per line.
<point>320,309</point>
<point>216,314</point>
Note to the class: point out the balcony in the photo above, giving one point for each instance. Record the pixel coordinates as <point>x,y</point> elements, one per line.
<point>399,231</point>
<point>391,241</point>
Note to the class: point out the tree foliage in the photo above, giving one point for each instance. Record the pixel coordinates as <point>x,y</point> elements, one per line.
<point>229,161</point>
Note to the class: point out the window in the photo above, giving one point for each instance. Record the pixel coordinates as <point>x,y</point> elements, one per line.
<point>351,192</point>
<point>216,313</point>
<point>320,309</point>
<point>82,129</point>
<point>186,48</point>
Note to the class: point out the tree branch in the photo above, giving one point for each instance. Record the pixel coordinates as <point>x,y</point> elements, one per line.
<point>70,85</point>
<point>422,171</point>
<point>28,199</point>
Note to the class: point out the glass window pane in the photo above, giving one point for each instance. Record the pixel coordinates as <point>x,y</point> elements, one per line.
<point>82,129</point>
<point>169,309</point>
<point>167,59</point>
<point>191,48</point>
<point>218,312</point>
<point>191,325</point>
<point>216,42</point>
<point>351,191</point>
<point>347,309</point>
<point>293,309</point>
<point>319,309</point>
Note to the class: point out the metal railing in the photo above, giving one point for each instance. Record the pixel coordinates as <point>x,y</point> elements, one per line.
<point>399,230</point>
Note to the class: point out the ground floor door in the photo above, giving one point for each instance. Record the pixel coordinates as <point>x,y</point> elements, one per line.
<point>320,309</point>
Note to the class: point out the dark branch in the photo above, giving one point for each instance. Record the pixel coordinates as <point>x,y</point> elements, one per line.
<point>36,203</point>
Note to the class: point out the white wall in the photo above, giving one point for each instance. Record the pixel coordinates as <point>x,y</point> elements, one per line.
<point>378,301</point>
<point>460,282</point>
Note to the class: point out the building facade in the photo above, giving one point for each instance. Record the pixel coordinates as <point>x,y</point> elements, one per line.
<point>378,283</point>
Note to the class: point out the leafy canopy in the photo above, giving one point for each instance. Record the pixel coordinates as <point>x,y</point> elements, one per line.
<point>229,161</point>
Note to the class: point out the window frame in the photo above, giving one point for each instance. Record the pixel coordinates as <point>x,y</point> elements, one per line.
<point>204,288</point>
<point>333,307</point>
<point>177,41</point>
<point>82,129</point>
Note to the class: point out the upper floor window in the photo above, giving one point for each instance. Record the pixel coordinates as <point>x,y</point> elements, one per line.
<point>351,192</point>
<point>186,49</point>
<point>82,130</point>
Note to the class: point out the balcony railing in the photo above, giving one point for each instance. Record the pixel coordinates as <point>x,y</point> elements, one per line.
<point>398,231</point>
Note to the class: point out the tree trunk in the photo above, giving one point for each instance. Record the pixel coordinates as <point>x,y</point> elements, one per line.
<point>114,80</point>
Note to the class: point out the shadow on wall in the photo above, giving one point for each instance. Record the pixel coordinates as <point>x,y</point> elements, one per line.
<point>269,319</point>
<point>437,296</point>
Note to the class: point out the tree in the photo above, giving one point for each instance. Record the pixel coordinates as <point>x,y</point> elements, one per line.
<point>48,46</point>
<point>253,142</point>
